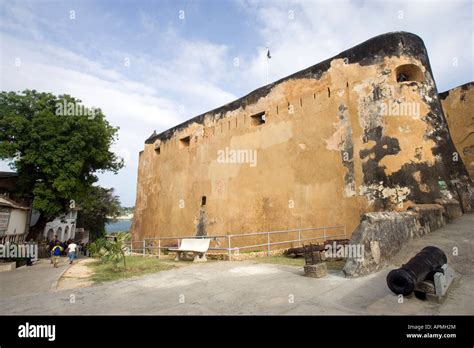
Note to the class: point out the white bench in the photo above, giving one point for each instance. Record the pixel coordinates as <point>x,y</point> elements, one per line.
<point>197,246</point>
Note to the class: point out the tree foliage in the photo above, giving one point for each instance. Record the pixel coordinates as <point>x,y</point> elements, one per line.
<point>56,156</point>
<point>111,251</point>
<point>99,204</point>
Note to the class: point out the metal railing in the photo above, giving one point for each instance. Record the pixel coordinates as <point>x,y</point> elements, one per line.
<point>156,245</point>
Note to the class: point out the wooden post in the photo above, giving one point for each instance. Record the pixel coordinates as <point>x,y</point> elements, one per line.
<point>268,244</point>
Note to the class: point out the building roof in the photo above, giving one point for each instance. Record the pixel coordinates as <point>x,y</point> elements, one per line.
<point>7,202</point>
<point>8,175</point>
<point>368,52</point>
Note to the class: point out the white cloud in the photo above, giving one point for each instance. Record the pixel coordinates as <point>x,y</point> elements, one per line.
<point>135,107</point>
<point>303,33</point>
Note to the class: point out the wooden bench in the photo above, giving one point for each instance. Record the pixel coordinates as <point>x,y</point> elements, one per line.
<point>197,246</point>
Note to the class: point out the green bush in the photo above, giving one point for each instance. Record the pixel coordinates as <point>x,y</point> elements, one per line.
<point>110,251</point>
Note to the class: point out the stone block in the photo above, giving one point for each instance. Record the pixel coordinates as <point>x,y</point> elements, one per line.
<point>316,271</point>
<point>7,266</point>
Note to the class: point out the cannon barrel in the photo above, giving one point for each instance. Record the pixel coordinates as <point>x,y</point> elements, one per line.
<point>404,279</point>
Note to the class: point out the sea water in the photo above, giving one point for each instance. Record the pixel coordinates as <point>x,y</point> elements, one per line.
<point>118,226</point>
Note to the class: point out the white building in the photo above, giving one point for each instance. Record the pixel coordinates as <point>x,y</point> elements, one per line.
<point>63,226</point>
<point>14,221</point>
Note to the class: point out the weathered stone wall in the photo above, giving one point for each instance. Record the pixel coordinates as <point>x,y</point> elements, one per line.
<point>430,217</point>
<point>383,234</point>
<point>458,106</point>
<point>363,131</point>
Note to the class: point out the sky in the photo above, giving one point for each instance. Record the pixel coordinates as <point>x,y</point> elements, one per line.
<point>150,65</point>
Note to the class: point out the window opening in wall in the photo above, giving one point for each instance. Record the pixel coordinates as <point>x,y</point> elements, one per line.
<point>409,72</point>
<point>185,141</point>
<point>158,149</point>
<point>258,119</point>
<point>329,93</point>
<point>203,201</point>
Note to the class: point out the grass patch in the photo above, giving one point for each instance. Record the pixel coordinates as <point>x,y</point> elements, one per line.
<point>247,251</point>
<point>136,265</point>
<point>335,265</point>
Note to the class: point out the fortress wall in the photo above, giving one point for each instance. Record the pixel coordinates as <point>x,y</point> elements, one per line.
<point>458,106</point>
<point>327,153</point>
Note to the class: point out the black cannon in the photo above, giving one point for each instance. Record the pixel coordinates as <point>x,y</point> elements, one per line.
<point>420,267</point>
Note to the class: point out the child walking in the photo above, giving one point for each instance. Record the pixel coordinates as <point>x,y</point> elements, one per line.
<point>56,253</point>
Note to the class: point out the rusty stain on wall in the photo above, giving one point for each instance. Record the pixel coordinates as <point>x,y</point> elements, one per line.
<point>458,106</point>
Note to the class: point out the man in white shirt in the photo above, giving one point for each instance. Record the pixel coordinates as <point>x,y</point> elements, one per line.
<point>71,248</point>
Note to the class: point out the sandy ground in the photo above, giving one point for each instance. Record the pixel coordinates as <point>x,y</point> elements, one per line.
<point>76,276</point>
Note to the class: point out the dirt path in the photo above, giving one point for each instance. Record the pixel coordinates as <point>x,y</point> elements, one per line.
<point>77,276</point>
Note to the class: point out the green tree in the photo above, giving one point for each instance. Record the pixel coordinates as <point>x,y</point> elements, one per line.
<point>55,151</point>
<point>99,204</point>
<point>111,251</point>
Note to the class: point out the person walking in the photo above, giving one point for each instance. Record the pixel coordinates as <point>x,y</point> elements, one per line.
<point>64,246</point>
<point>56,254</point>
<point>71,249</point>
<point>51,245</point>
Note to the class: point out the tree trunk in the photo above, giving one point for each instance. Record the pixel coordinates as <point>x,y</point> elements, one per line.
<point>36,231</point>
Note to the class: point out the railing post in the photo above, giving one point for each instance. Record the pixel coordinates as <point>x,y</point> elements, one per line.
<point>229,248</point>
<point>159,248</point>
<point>268,244</point>
<point>299,237</point>
<point>324,234</point>
<point>144,245</point>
